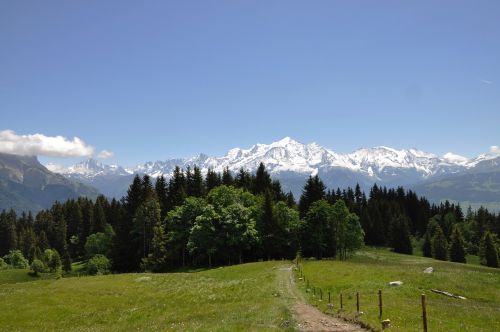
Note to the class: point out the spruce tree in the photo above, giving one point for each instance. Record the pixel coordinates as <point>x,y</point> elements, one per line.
<point>400,235</point>
<point>314,190</point>
<point>427,245</point>
<point>488,251</point>
<point>161,193</point>
<point>439,245</point>
<point>243,180</point>
<point>227,177</point>
<point>262,181</point>
<point>457,246</point>
<point>157,257</point>
<point>176,189</point>
<point>212,179</point>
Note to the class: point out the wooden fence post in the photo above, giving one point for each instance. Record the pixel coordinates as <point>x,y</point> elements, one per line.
<point>357,301</point>
<point>329,298</point>
<point>424,313</point>
<point>321,294</point>
<point>380,303</point>
<point>341,302</point>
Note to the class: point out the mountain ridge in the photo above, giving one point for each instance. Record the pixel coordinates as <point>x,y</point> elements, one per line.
<point>292,162</point>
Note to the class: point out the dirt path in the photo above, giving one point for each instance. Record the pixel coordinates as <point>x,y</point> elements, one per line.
<point>307,317</point>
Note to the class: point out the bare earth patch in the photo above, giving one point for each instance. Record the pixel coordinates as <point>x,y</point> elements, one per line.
<point>307,317</point>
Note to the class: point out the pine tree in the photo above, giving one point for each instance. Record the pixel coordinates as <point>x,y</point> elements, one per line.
<point>176,189</point>
<point>262,181</point>
<point>314,190</point>
<point>66,262</point>
<point>157,257</point>
<point>227,177</point>
<point>243,180</point>
<point>212,179</point>
<point>457,246</point>
<point>99,220</point>
<point>195,185</point>
<point>400,237</point>
<point>488,251</point>
<point>439,245</point>
<point>427,245</point>
<point>8,234</point>
<point>268,227</point>
<point>161,193</point>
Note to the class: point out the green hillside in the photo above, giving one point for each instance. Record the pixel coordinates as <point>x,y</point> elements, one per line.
<point>373,269</point>
<point>243,297</point>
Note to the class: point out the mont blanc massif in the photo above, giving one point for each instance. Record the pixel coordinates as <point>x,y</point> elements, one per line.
<point>469,181</point>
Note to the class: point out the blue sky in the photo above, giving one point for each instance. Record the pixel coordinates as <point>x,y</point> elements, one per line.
<point>156,79</point>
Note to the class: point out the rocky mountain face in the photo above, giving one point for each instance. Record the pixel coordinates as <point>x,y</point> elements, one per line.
<point>25,184</point>
<point>292,162</point>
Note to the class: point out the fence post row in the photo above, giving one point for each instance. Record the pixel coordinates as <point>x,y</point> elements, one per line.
<point>341,302</point>
<point>357,301</point>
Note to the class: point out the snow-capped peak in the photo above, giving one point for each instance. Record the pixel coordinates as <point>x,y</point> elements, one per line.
<point>289,155</point>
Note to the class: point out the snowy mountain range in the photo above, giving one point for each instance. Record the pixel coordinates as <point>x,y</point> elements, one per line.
<point>292,162</point>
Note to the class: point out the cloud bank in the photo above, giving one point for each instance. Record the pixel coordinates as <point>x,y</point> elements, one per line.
<point>105,154</point>
<point>455,158</point>
<point>494,149</point>
<point>41,145</point>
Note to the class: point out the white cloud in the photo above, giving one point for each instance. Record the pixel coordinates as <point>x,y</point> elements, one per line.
<point>41,145</point>
<point>494,149</point>
<point>455,158</point>
<point>105,154</point>
<point>486,82</point>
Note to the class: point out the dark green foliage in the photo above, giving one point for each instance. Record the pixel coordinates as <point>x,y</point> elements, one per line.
<point>400,236</point>
<point>262,181</point>
<point>457,246</point>
<point>205,222</point>
<point>194,183</point>
<point>212,179</point>
<point>314,190</point>
<point>227,177</point>
<point>8,235</point>
<point>427,245</point>
<point>439,245</point>
<point>66,262</point>
<point>488,251</point>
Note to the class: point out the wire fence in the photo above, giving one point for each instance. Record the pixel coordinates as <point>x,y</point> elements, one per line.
<point>420,314</point>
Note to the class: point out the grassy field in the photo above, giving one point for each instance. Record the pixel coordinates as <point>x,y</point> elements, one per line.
<point>242,297</point>
<point>372,269</point>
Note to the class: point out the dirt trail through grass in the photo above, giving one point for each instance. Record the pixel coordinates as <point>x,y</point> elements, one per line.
<point>307,317</point>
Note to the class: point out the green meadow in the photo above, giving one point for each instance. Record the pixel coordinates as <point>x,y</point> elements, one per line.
<point>372,269</point>
<point>236,298</point>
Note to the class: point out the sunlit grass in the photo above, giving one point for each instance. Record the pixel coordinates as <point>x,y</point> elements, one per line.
<point>243,297</point>
<point>372,269</point>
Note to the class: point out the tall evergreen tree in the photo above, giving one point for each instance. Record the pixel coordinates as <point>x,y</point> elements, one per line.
<point>195,185</point>
<point>400,235</point>
<point>427,245</point>
<point>227,177</point>
<point>176,189</point>
<point>439,245</point>
<point>262,181</point>
<point>161,194</point>
<point>457,246</point>
<point>314,190</point>
<point>212,179</point>
<point>488,251</point>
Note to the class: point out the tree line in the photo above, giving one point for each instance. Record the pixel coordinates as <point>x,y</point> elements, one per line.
<point>213,219</point>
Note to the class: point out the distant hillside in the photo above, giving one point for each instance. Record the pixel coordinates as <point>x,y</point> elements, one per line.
<point>25,184</point>
<point>479,186</point>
